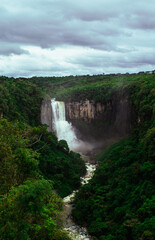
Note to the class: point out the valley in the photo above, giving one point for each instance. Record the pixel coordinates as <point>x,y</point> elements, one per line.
<point>111,117</point>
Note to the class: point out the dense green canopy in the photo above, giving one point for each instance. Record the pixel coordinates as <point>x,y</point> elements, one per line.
<point>33,167</point>
<point>117,204</point>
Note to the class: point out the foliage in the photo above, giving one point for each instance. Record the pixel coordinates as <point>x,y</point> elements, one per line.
<point>119,203</point>
<point>31,211</point>
<point>100,88</point>
<point>18,161</point>
<point>56,163</point>
<point>29,155</point>
<point>29,151</point>
<point>119,199</point>
<point>29,205</point>
<point>20,99</point>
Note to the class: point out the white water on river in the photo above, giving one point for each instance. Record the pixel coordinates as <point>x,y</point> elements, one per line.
<point>76,232</point>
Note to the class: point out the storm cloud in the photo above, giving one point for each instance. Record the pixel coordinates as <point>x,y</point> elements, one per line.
<point>63,37</point>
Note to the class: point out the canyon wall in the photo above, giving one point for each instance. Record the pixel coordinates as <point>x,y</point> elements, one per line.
<point>85,110</point>
<point>100,121</point>
<point>94,121</point>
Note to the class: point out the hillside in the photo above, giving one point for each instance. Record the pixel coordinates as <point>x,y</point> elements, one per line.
<point>119,200</point>
<point>97,87</point>
<point>34,166</point>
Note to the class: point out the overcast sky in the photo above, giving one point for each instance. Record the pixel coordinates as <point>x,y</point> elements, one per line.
<point>74,37</point>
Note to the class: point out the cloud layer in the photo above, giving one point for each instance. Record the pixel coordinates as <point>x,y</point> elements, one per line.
<point>63,37</point>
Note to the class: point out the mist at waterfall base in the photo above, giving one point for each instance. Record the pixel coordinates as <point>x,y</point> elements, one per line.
<point>65,130</point>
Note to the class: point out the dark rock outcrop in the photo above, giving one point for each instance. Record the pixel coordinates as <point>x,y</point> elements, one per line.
<point>46,114</point>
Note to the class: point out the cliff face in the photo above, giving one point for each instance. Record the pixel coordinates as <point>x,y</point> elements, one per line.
<point>98,121</point>
<point>46,114</point>
<point>95,121</point>
<point>85,110</point>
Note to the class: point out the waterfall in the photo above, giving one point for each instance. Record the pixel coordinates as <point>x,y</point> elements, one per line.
<point>63,129</point>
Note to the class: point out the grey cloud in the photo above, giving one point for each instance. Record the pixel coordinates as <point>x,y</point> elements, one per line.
<point>141,22</point>
<point>117,60</point>
<point>54,23</point>
<point>7,49</point>
<point>116,26</point>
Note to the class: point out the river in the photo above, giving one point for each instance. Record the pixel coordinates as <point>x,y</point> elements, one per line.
<point>77,232</point>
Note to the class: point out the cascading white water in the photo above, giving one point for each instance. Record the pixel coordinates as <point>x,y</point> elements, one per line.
<point>63,129</point>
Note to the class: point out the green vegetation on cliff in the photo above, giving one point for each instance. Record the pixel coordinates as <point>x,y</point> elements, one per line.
<point>20,100</point>
<point>119,200</point>
<point>99,88</point>
<point>29,208</point>
<point>33,166</point>
<point>56,162</point>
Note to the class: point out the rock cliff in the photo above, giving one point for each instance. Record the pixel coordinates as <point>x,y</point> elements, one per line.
<point>46,114</point>
<point>99,121</point>
<point>95,121</point>
<point>86,110</point>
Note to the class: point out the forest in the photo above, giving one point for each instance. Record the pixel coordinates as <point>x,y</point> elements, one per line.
<point>37,170</point>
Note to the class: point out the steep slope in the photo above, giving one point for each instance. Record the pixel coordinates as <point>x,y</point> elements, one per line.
<point>33,166</point>
<point>119,202</point>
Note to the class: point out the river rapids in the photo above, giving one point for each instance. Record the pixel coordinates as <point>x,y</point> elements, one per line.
<point>76,232</point>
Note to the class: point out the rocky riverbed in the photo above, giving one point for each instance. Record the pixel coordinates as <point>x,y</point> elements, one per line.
<point>76,232</point>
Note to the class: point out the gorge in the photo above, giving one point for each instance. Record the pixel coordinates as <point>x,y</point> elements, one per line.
<point>61,117</point>
<point>120,117</point>
<point>38,169</point>
<point>65,131</point>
